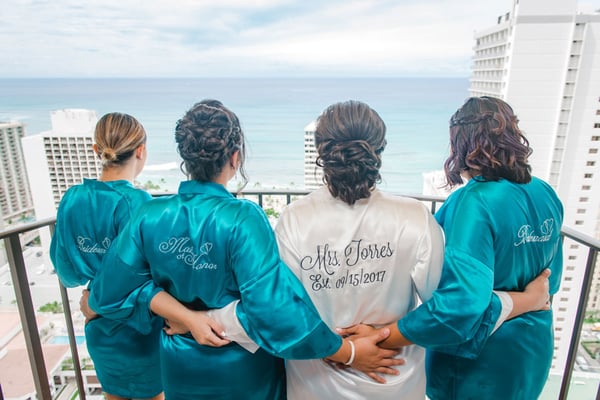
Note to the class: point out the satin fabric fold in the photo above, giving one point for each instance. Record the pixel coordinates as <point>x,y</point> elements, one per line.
<point>88,220</point>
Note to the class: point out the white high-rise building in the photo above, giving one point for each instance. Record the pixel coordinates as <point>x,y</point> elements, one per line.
<point>60,158</point>
<point>313,174</point>
<point>15,197</point>
<point>543,58</point>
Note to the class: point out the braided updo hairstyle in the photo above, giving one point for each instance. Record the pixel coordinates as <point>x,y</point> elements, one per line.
<point>350,138</point>
<point>207,136</point>
<point>117,136</point>
<point>485,136</point>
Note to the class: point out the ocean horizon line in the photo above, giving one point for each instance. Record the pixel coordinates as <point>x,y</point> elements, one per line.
<point>317,77</point>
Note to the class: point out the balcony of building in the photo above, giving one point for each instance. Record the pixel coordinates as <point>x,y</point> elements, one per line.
<point>42,355</point>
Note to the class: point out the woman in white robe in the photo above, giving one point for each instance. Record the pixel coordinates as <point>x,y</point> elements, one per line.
<point>364,256</point>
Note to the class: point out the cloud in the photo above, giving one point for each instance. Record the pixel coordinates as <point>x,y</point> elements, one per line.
<point>241,37</point>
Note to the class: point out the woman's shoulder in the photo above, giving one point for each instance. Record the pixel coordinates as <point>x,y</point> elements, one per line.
<point>399,202</point>
<point>136,193</point>
<point>243,207</point>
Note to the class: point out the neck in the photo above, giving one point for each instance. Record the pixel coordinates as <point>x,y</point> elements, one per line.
<point>126,172</point>
<point>222,179</point>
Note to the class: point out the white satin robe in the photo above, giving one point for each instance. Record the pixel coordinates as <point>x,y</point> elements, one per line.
<point>366,263</point>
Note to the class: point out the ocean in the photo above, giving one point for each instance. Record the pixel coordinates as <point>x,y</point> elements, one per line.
<point>273,113</point>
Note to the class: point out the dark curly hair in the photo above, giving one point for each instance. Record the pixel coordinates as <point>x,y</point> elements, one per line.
<point>207,136</point>
<point>350,138</point>
<point>485,136</point>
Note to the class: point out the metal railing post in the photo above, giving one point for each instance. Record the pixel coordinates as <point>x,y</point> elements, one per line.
<point>579,316</point>
<point>20,281</point>
<point>72,341</point>
<point>71,332</point>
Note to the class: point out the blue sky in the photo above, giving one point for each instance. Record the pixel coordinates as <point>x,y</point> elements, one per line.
<point>244,38</point>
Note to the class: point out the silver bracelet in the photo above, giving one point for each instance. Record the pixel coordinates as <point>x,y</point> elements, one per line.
<point>352,353</point>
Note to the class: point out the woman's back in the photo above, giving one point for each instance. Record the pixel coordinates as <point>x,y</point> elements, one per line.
<point>362,263</point>
<point>207,249</point>
<point>510,232</point>
<point>89,218</point>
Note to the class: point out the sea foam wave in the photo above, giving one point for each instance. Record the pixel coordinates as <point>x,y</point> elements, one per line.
<point>162,167</point>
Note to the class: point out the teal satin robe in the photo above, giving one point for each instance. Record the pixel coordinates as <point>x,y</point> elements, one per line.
<point>89,218</point>
<point>499,236</point>
<point>207,248</point>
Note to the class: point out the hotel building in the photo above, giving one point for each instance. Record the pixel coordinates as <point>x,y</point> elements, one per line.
<point>16,203</point>
<point>60,158</point>
<point>313,174</point>
<point>543,58</point>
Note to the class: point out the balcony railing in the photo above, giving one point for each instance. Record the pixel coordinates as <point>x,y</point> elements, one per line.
<point>20,281</point>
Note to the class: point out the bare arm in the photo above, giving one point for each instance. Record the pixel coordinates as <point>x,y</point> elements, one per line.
<point>181,319</point>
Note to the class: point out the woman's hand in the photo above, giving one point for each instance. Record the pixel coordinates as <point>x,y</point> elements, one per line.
<point>372,359</point>
<point>356,331</point>
<point>538,291</point>
<point>365,355</point>
<point>535,297</point>
<point>84,307</point>
<point>205,330</point>
<point>180,319</point>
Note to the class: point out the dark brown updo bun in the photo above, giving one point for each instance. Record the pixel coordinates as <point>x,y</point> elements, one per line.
<point>350,138</point>
<point>207,136</point>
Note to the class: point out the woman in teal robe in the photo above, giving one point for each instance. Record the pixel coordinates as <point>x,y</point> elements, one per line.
<point>89,218</point>
<point>502,231</point>
<point>207,249</point>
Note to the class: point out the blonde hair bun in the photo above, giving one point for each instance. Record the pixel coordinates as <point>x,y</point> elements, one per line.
<point>108,155</point>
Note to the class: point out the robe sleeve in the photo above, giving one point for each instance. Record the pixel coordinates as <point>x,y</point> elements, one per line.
<point>123,288</point>
<point>67,272</point>
<point>426,272</point>
<point>462,312</point>
<point>275,310</point>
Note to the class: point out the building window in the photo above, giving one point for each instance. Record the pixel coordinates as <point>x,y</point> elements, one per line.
<point>586,187</point>
<point>590,163</point>
<point>581,211</point>
<point>583,199</point>
<point>572,257</point>
<point>578,222</point>
<point>597,125</point>
<point>588,175</point>
<point>593,151</point>
<point>595,138</point>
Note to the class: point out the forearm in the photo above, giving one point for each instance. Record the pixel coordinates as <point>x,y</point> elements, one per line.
<point>343,353</point>
<point>169,308</point>
<point>535,297</point>
<point>396,338</point>
<point>523,302</point>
